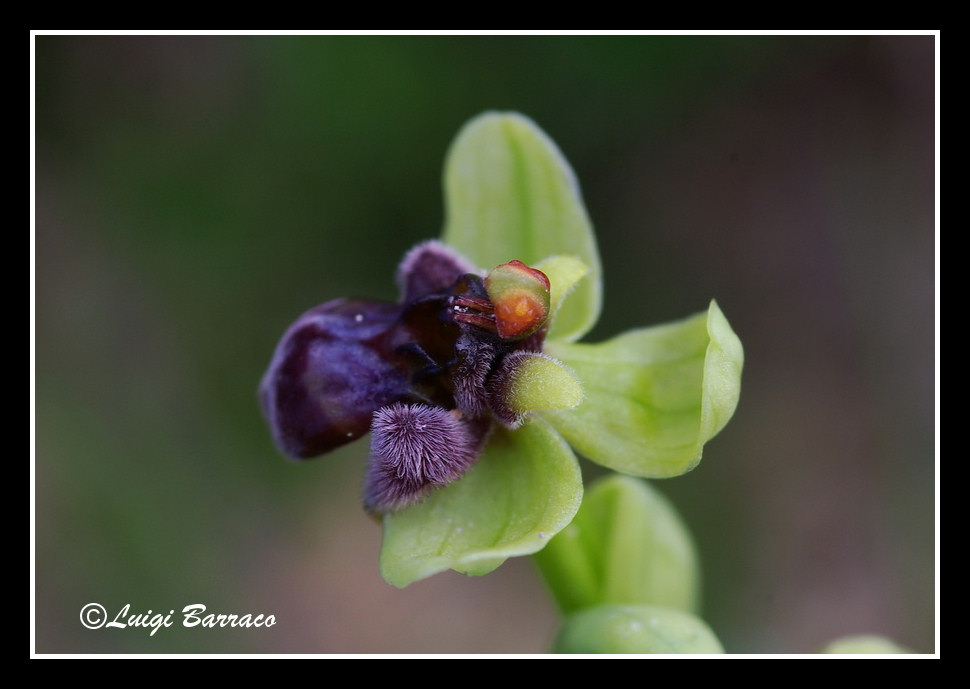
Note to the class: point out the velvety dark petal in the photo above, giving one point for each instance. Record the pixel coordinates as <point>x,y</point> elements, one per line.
<point>429,268</point>
<point>414,449</point>
<point>329,374</point>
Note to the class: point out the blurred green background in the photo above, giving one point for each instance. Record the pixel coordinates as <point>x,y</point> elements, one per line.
<point>195,194</point>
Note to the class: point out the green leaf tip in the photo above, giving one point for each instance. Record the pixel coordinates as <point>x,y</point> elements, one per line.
<point>722,375</point>
<point>654,396</point>
<point>635,629</point>
<point>510,194</point>
<point>627,545</point>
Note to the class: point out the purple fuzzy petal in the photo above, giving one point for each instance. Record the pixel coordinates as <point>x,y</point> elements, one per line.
<point>329,374</point>
<point>414,449</point>
<point>429,268</point>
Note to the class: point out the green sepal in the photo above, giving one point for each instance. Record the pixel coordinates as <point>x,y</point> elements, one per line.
<point>525,488</point>
<point>635,629</point>
<point>654,396</point>
<point>511,195</point>
<point>627,545</point>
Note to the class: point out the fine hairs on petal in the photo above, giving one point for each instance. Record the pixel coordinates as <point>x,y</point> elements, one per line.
<point>415,448</point>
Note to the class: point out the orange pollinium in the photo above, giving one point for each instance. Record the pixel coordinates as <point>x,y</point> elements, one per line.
<point>520,296</point>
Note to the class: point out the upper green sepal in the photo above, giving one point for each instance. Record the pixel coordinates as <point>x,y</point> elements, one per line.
<point>654,396</point>
<point>510,194</point>
<point>525,487</point>
<point>627,545</point>
<point>635,629</point>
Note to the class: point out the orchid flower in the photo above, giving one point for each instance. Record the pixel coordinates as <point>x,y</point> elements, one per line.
<point>474,388</point>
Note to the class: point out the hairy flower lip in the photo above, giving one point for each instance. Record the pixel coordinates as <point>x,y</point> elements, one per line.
<point>416,448</point>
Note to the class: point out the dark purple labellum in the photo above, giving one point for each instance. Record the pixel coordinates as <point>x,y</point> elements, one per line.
<point>329,374</point>
<point>425,376</point>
